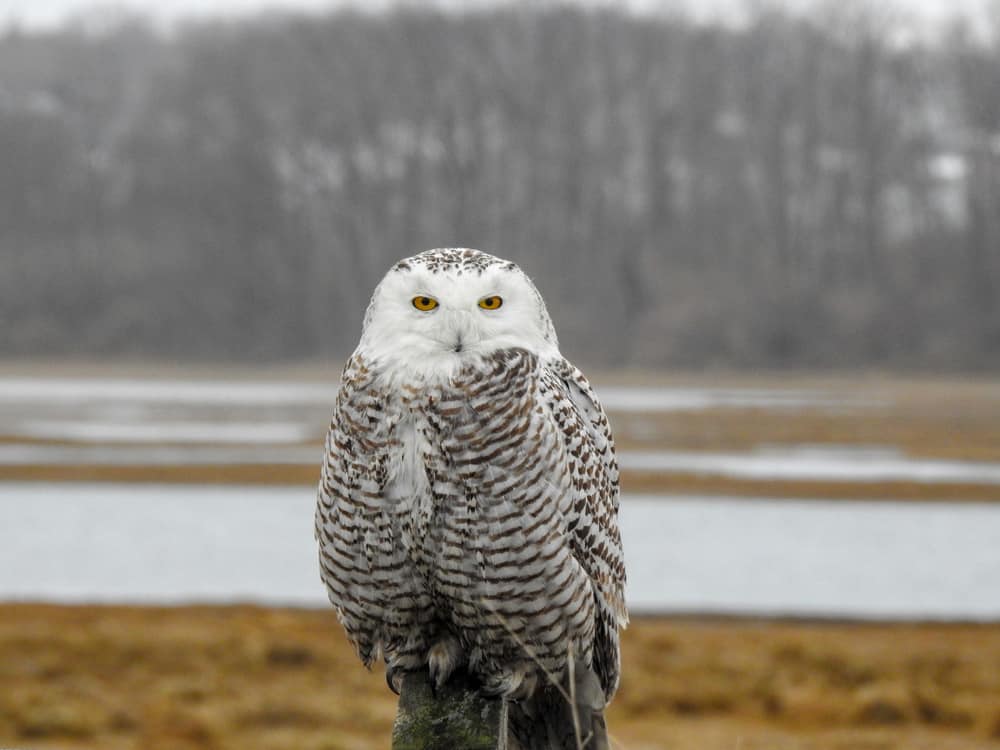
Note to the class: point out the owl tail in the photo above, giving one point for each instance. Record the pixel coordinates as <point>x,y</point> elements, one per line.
<point>545,721</point>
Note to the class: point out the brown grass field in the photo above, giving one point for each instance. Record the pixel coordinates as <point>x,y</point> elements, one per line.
<point>283,679</point>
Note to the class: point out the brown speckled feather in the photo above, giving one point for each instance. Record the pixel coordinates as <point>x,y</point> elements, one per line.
<point>473,518</point>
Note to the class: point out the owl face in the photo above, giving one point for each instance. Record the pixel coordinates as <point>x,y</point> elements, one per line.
<point>438,311</point>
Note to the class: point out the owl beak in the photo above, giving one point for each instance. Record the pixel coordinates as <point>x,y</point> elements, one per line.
<point>461,330</point>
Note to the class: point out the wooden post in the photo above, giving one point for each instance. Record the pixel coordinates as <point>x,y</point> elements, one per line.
<point>457,716</point>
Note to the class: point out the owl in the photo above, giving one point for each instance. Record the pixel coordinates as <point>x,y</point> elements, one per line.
<point>468,502</point>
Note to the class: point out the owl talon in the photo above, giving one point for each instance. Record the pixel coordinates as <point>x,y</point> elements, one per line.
<point>394,679</point>
<point>438,677</point>
<point>442,659</point>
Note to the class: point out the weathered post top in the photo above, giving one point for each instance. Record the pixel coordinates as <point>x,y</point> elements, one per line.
<point>456,716</point>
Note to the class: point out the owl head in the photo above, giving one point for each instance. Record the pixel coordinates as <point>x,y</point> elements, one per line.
<point>438,311</point>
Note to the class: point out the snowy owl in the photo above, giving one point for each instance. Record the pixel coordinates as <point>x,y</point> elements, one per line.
<point>468,504</point>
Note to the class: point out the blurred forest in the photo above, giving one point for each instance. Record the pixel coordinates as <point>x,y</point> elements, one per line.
<point>817,191</point>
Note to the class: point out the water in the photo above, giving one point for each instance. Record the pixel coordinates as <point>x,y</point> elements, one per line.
<point>167,544</point>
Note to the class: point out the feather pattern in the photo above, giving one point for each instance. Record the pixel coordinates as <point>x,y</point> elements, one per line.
<point>467,512</point>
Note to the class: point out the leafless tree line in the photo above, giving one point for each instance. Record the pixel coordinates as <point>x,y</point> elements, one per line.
<point>811,192</point>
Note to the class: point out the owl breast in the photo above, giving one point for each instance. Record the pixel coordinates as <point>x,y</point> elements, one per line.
<point>477,475</point>
<point>473,509</point>
<point>468,500</point>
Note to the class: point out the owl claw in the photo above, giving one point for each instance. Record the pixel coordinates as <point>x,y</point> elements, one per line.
<point>394,679</point>
<point>442,659</point>
<point>440,672</point>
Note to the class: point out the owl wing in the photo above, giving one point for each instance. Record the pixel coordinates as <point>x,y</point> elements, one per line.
<point>595,537</point>
<point>362,562</point>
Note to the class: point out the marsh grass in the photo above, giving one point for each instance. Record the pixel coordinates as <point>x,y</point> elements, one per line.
<point>281,679</point>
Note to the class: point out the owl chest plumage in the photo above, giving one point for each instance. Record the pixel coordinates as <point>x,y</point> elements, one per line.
<point>466,474</point>
<point>460,506</point>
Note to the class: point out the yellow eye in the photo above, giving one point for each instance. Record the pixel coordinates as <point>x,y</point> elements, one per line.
<point>425,304</point>
<point>491,303</point>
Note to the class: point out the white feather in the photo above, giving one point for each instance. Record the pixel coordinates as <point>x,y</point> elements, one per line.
<point>404,343</point>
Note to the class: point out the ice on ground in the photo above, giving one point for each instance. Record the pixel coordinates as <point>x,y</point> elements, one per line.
<point>14,454</point>
<point>645,399</point>
<point>71,390</point>
<point>815,463</point>
<point>87,431</point>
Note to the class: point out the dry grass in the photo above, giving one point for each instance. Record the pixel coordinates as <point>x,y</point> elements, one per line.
<point>632,481</point>
<point>942,426</point>
<point>262,474</point>
<point>732,684</point>
<point>244,677</point>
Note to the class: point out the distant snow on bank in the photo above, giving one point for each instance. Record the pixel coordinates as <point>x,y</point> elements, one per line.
<point>167,432</point>
<point>76,390</point>
<point>815,463</point>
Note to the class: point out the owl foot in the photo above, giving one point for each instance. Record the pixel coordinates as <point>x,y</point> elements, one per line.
<point>515,684</point>
<point>394,678</point>
<point>443,658</point>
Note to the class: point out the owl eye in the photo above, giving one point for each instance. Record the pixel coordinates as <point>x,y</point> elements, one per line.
<point>491,303</point>
<point>425,304</point>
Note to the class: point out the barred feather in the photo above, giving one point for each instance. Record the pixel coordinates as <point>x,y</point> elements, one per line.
<point>468,514</point>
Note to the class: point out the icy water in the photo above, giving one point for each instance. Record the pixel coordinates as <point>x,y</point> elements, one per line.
<point>164,544</point>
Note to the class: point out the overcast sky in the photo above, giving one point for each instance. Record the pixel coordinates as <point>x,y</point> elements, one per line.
<point>41,13</point>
